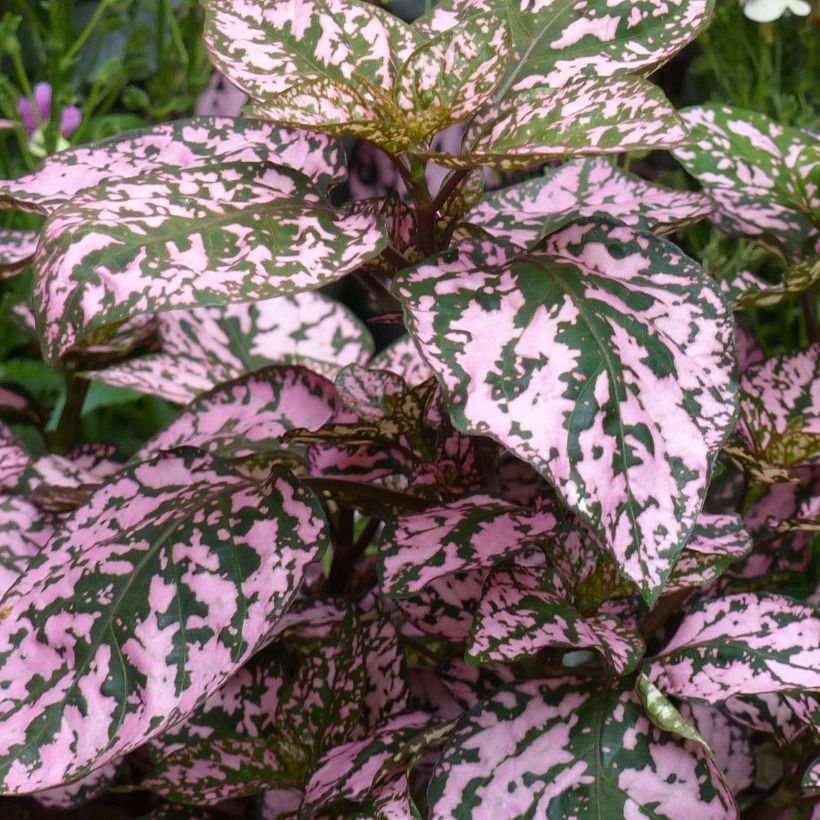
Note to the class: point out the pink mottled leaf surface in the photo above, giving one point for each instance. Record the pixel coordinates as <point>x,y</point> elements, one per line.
<point>562,747</point>
<point>80,791</point>
<point>14,458</point>
<point>403,358</point>
<point>525,609</point>
<point>748,643</point>
<point>16,250</point>
<point>471,533</point>
<point>248,415</point>
<point>173,146</point>
<point>24,530</point>
<point>525,213</point>
<point>582,118</point>
<point>746,289</point>
<point>614,382</point>
<point>761,175</point>
<point>136,611</point>
<point>560,40</point>
<point>202,347</point>
<point>212,235</point>
<point>730,742</point>
<point>347,771</point>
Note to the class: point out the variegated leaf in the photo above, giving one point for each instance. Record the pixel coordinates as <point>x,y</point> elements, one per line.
<point>174,147</point>
<point>779,422</point>
<point>244,706</point>
<point>280,803</point>
<point>602,361</point>
<point>451,75</point>
<point>347,771</point>
<point>729,741</point>
<point>746,289</point>
<point>24,530</point>
<point>206,772</point>
<point>446,606</point>
<point>558,41</point>
<point>583,118</point>
<point>136,611</point>
<point>748,643</point>
<point>525,213</point>
<point>525,609</point>
<point>313,63</point>
<point>208,236</point>
<point>370,394</point>
<point>402,357</point>
<point>247,416</point>
<point>763,176</point>
<point>717,541</point>
<point>14,458</point>
<point>562,748</point>
<point>784,716</point>
<point>203,347</point>
<point>471,533</point>
<point>16,250</point>
<point>76,794</point>
<point>468,684</point>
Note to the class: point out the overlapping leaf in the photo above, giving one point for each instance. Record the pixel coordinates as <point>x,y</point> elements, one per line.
<point>582,118</point>
<point>247,416</point>
<point>319,64</point>
<point>729,741</point>
<point>523,610</point>
<point>16,250</point>
<point>471,533</point>
<point>136,611</point>
<point>741,644</point>
<point>347,772</point>
<point>560,40</point>
<point>716,543</point>
<point>762,175</point>
<point>561,747</point>
<point>779,424</point>
<point>747,289</point>
<point>202,347</point>
<point>232,232</point>
<point>602,361</point>
<point>525,213</point>
<point>23,532</point>
<point>174,146</point>
<point>80,791</point>
<point>14,458</point>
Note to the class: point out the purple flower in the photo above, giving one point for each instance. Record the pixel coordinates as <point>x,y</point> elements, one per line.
<point>34,115</point>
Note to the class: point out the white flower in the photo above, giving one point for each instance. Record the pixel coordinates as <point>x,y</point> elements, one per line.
<point>764,11</point>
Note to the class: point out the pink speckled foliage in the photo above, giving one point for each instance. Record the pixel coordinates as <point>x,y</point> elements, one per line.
<point>457,487</point>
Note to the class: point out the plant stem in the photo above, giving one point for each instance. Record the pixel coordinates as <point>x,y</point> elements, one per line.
<point>396,258</point>
<point>808,303</point>
<point>448,187</point>
<point>342,551</point>
<point>69,424</point>
<point>65,62</point>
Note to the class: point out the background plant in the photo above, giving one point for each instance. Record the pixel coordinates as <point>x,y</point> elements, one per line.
<point>549,552</point>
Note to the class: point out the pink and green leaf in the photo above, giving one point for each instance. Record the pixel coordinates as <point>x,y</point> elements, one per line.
<point>213,235</point>
<point>202,347</point>
<point>249,415</point>
<point>347,772</point>
<point>468,534</point>
<point>748,643</point>
<point>16,250</point>
<point>582,118</point>
<point>525,213</point>
<point>136,610</point>
<point>586,375</point>
<point>562,747</point>
<point>561,40</point>
<point>526,609</point>
<point>173,147</point>
<point>760,175</point>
